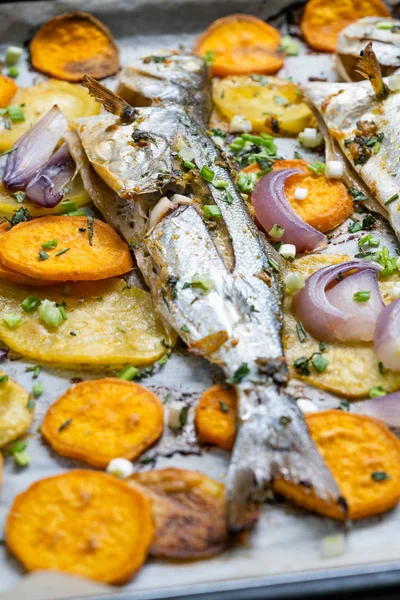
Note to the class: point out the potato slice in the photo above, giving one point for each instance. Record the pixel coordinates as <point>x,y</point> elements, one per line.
<point>76,193</point>
<point>189,512</point>
<point>364,458</point>
<point>272,105</point>
<point>353,367</point>
<point>132,416</point>
<point>73,100</point>
<point>111,324</point>
<point>15,416</point>
<point>216,416</point>
<point>81,522</point>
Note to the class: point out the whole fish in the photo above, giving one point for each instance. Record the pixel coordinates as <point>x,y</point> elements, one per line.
<point>363,119</point>
<point>214,278</point>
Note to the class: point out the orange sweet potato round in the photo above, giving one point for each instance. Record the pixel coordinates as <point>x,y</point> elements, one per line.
<point>72,44</point>
<point>241,44</point>
<point>8,89</point>
<point>323,20</point>
<point>78,255</point>
<point>328,203</point>
<point>364,458</point>
<point>215,417</point>
<point>82,522</point>
<point>99,420</point>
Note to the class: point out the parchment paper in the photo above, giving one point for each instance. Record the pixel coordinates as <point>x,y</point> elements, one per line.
<point>287,540</point>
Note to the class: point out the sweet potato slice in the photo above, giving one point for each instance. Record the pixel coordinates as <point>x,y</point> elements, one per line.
<point>82,522</point>
<point>96,421</point>
<point>8,88</point>
<point>189,512</point>
<point>108,323</point>
<point>86,249</point>
<point>328,203</point>
<point>323,21</point>
<point>15,416</point>
<point>364,458</point>
<point>240,44</point>
<point>216,417</point>
<point>353,368</point>
<point>72,44</point>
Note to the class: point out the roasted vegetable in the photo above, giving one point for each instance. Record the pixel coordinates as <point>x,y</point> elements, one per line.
<point>353,368</point>
<point>131,416</point>
<point>240,44</point>
<point>8,88</point>
<point>73,100</point>
<point>15,415</point>
<point>84,249</point>
<point>270,104</point>
<point>108,323</point>
<point>216,417</point>
<point>81,522</point>
<point>363,456</point>
<point>322,21</point>
<point>189,513</point>
<point>74,44</point>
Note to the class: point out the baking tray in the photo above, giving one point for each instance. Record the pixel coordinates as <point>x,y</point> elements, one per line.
<point>281,558</point>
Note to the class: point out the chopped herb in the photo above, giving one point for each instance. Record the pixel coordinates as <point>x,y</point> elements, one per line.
<point>339,276</point>
<point>62,252</point>
<point>379,475</point>
<point>90,230</point>
<point>65,424</point>
<point>277,231</point>
<point>50,313</point>
<point>35,370</point>
<point>37,389</point>
<point>43,255</point>
<point>19,196</point>
<point>30,303</point>
<point>319,362</point>
<point>13,72</point>
<point>302,365</point>
<point>318,168</point>
<point>16,113</point>
<point>22,458</point>
<point>12,320</point>
<point>128,373</point>
<point>377,391</point>
<point>76,213</point>
<point>392,199</point>
<point>344,405</point>
<point>67,206</point>
<point>297,155</point>
<point>357,195</point>
<point>146,460</point>
<point>163,359</point>
<point>13,54</point>
<point>240,373</point>
<point>220,184</point>
<point>217,132</point>
<point>185,328</point>
<point>211,211</point>
<point>228,197</point>
<point>202,282</point>
<point>322,346</point>
<point>361,296</point>
<point>49,245</point>
<point>209,57</point>
<point>273,264</point>
<point>63,311</point>
<point>301,332</point>
<point>188,164</point>
<point>369,240</point>
<point>183,416</point>
<point>22,214</point>
<point>290,47</point>
<point>224,407</point>
<point>246,182</point>
<point>281,100</point>
<point>207,173</point>
<point>368,222</point>
<point>3,378</point>
<point>381,368</point>
<point>355,226</point>
<point>6,152</point>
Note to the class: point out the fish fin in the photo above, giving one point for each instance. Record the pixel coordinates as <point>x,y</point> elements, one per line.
<point>111,102</point>
<point>369,68</point>
<point>273,440</point>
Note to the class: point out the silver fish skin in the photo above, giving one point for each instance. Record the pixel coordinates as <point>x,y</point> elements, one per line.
<point>353,39</point>
<point>175,79</point>
<point>234,320</point>
<point>341,106</point>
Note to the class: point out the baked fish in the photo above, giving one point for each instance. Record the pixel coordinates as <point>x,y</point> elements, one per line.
<point>214,278</point>
<point>363,120</point>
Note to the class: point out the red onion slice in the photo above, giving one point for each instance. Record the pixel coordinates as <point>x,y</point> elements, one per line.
<point>32,151</point>
<point>330,314</point>
<point>384,408</point>
<point>387,336</point>
<point>273,208</point>
<point>47,187</point>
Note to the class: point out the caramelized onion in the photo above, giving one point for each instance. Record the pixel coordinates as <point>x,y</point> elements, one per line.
<point>273,208</point>
<point>387,336</point>
<point>32,151</point>
<point>326,305</point>
<point>384,408</point>
<point>47,187</point>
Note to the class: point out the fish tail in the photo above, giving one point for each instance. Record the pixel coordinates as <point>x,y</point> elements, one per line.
<point>369,68</point>
<point>273,441</point>
<point>111,102</point>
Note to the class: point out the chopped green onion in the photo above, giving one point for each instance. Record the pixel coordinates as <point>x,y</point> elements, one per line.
<point>128,373</point>
<point>246,182</point>
<point>22,458</point>
<point>302,365</point>
<point>344,405</point>
<point>369,240</point>
<point>237,144</point>
<point>379,475</point>
<point>289,45</point>
<point>240,373</point>
<point>63,312</point>
<point>49,245</point>
<point>355,226</point>
<point>50,313</point>
<point>301,332</point>
<point>67,206</point>
<point>3,378</point>
<point>220,184</point>
<point>62,252</point>
<point>228,197</point>
<point>13,54</point>
<point>36,371</point>
<point>384,25</point>
<point>189,164</point>
<point>207,173</point>
<point>274,265</point>
<point>13,72</point>
<point>43,255</point>
<point>361,296</point>
<point>319,362</point>
<point>202,282</point>
<point>392,199</point>
<point>19,196</point>
<point>209,57</point>
<point>294,282</point>
<point>16,113</point>
<point>376,147</point>
<point>377,391</point>
<point>185,328</point>
<point>318,168</point>
<point>30,303</point>
<point>259,140</point>
<point>212,211</point>
<point>37,389</point>
<point>12,320</point>
<point>276,232</point>
<point>76,213</point>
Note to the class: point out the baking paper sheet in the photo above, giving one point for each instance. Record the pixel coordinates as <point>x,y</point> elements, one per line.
<point>286,540</point>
